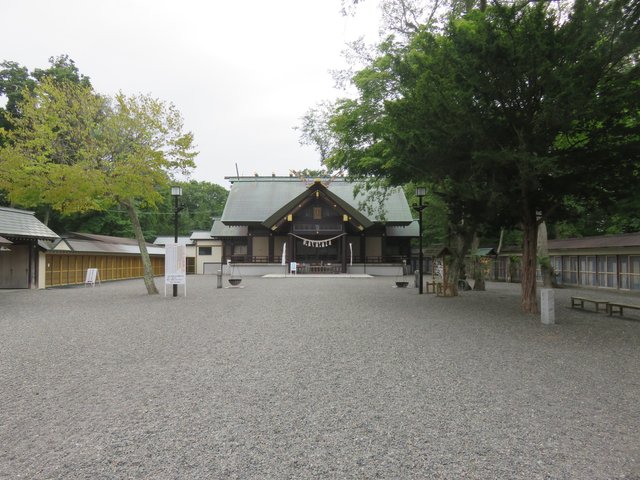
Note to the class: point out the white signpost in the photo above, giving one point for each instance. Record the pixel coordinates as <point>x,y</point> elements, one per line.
<point>175,266</point>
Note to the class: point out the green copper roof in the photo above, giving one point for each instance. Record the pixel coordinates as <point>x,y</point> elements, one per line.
<point>253,200</point>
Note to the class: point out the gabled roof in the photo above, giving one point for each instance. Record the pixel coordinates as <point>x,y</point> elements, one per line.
<point>16,223</point>
<point>256,200</point>
<point>317,189</point>
<point>601,241</point>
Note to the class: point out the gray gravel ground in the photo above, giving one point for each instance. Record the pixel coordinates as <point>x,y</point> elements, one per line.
<point>313,378</point>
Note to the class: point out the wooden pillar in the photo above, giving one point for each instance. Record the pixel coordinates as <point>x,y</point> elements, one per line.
<point>33,264</point>
<point>363,248</point>
<point>271,247</point>
<point>249,249</point>
<point>290,252</point>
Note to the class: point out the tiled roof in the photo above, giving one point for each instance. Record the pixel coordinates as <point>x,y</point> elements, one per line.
<point>88,246</point>
<point>103,238</point>
<point>411,230</point>
<point>219,230</point>
<point>200,235</point>
<point>166,240</point>
<point>93,243</point>
<point>16,223</point>
<point>255,199</point>
<point>602,241</point>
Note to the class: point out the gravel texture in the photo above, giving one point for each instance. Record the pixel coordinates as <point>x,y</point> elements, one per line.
<point>313,378</point>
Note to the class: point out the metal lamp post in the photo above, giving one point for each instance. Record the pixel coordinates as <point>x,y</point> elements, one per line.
<point>420,192</point>
<point>176,192</point>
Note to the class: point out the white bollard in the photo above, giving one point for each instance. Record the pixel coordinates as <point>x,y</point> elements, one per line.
<point>547,306</point>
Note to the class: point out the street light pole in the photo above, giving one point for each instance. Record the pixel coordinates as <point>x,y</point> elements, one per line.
<point>420,192</point>
<point>176,192</point>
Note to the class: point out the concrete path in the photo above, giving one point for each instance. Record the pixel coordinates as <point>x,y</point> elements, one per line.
<point>313,378</point>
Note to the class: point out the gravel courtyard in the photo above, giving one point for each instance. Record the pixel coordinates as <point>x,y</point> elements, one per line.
<point>313,378</point>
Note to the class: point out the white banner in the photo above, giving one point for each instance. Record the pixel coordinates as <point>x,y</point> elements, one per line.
<point>175,264</point>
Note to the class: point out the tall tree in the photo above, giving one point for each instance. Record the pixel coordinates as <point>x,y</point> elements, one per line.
<point>143,145</point>
<point>503,108</point>
<point>76,151</point>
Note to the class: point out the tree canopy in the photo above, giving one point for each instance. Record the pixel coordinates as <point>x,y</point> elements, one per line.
<point>16,81</point>
<point>509,113</point>
<point>77,151</point>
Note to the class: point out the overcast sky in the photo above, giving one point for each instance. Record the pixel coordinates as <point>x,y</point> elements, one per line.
<point>242,73</point>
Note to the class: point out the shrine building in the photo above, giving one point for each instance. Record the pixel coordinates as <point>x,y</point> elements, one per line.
<point>322,224</point>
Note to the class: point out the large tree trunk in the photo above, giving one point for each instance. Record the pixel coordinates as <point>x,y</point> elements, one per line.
<point>459,245</point>
<point>144,254</point>
<point>529,301</point>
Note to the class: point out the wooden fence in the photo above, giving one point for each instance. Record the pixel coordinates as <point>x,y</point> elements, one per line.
<point>71,268</point>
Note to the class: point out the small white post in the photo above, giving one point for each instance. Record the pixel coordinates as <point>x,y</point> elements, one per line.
<point>547,306</point>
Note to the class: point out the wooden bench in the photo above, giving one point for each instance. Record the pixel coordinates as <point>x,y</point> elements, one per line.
<point>619,307</point>
<point>430,287</point>
<point>579,302</point>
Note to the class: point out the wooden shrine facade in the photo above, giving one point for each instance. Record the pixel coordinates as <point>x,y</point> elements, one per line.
<point>320,224</point>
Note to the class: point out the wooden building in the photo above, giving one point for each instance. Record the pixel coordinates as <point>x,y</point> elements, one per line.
<point>20,232</point>
<point>323,225</point>
<point>605,261</point>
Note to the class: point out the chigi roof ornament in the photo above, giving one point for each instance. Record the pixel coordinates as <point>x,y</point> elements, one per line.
<point>310,180</point>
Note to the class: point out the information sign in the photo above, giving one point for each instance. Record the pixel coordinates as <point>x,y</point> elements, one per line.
<point>175,265</point>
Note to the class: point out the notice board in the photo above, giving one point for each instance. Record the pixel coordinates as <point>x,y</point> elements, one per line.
<point>175,264</point>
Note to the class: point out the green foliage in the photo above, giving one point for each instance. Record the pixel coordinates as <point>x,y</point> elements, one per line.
<point>62,70</point>
<point>506,114</point>
<point>71,150</point>
<point>74,151</point>
<point>435,216</point>
<point>143,145</point>
<point>200,201</point>
<point>13,80</point>
<point>49,158</point>
<point>16,81</point>
<point>315,130</point>
<point>480,110</point>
